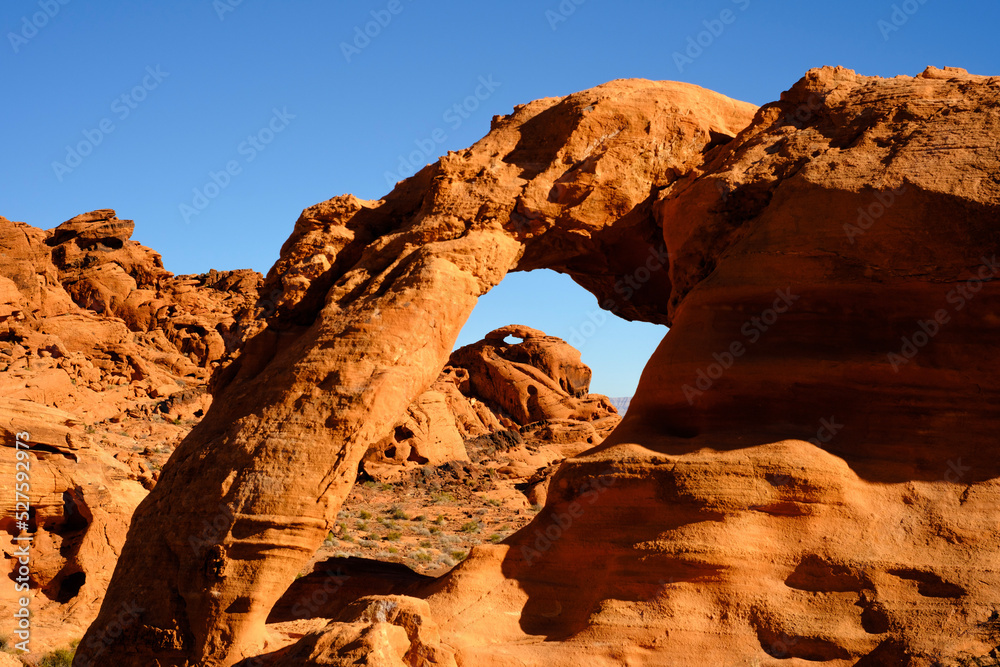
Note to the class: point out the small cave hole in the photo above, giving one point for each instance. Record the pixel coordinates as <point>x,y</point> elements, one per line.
<point>70,586</point>
<point>73,519</point>
<point>417,458</point>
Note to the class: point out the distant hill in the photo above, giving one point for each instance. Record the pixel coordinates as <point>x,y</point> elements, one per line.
<point>621,403</point>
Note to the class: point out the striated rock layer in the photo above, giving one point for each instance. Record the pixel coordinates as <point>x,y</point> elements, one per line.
<point>369,299</point>
<point>98,345</point>
<point>805,473</point>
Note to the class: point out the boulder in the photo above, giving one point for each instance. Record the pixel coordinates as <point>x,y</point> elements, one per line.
<point>536,384</point>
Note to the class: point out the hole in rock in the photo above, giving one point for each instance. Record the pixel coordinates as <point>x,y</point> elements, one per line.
<point>73,518</point>
<point>784,646</point>
<point>816,574</point>
<point>717,139</point>
<point>929,584</point>
<point>112,243</point>
<point>70,586</point>
<point>615,349</point>
<point>416,458</point>
<point>460,469</point>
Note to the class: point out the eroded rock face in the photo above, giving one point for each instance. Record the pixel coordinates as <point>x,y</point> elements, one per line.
<point>800,476</point>
<point>98,345</point>
<point>824,493</point>
<point>534,384</point>
<point>85,308</point>
<point>369,299</point>
<point>538,378</point>
<point>81,502</point>
<point>380,631</point>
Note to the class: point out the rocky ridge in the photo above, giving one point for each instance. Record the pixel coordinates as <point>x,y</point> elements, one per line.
<point>108,359</point>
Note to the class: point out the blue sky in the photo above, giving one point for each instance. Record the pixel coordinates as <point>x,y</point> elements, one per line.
<point>165,94</point>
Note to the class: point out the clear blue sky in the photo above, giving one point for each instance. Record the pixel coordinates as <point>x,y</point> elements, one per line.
<point>211,82</point>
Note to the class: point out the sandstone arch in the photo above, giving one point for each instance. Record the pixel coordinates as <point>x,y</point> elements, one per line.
<point>369,297</point>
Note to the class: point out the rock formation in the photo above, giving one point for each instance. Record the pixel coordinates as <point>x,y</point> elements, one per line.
<point>85,310</point>
<point>100,349</point>
<point>133,329</point>
<point>537,384</point>
<point>82,499</point>
<point>369,299</point>
<point>804,473</point>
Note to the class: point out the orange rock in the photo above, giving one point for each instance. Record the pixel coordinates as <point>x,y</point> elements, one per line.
<point>93,329</point>
<point>537,385</point>
<point>369,298</point>
<point>385,631</point>
<point>801,500</point>
<point>81,502</point>
<point>105,308</point>
<point>824,493</point>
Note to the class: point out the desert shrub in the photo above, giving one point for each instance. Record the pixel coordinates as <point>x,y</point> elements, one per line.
<point>62,657</point>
